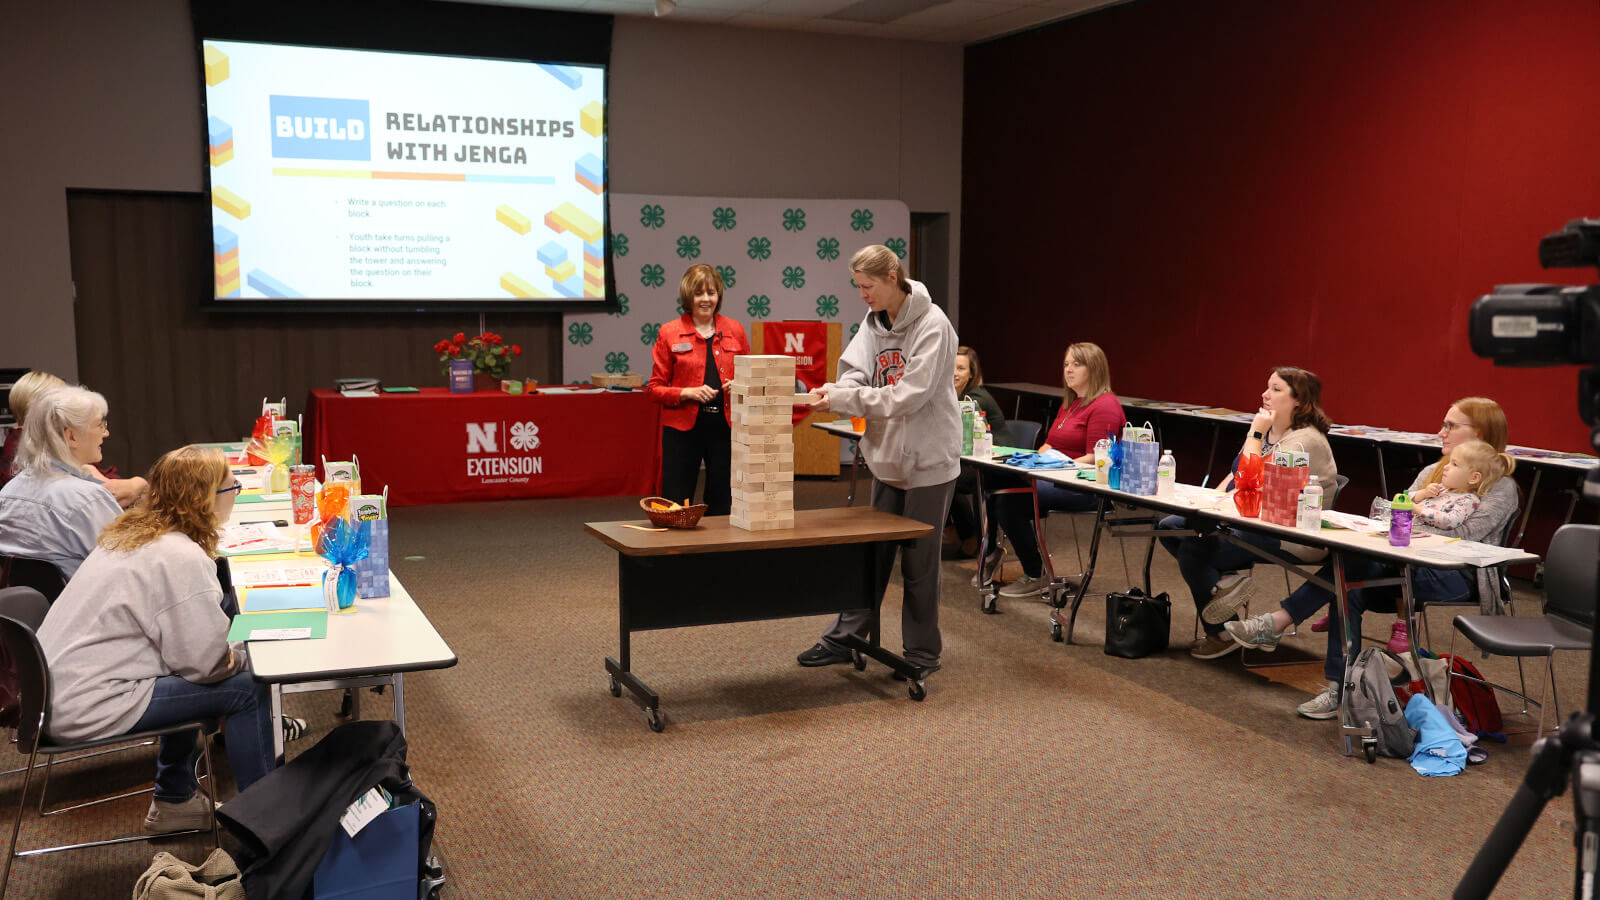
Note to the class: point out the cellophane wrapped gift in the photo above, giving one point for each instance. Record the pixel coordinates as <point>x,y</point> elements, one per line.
<point>1139,461</point>
<point>343,543</point>
<point>1280,492</point>
<point>1247,485</point>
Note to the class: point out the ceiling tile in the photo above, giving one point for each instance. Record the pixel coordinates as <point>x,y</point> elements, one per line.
<point>1005,23</point>
<point>956,12</point>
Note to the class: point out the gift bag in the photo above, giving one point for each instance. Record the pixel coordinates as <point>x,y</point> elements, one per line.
<point>372,573</point>
<point>379,863</point>
<point>1281,482</point>
<point>1139,462</point>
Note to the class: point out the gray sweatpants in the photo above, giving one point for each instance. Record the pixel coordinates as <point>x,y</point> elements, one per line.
<point>919,570</point>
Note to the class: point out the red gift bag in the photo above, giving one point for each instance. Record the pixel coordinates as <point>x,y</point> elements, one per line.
<point>1280,492</point>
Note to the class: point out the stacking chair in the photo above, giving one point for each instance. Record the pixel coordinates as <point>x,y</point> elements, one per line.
<point>1568,621</point>
<point>33,677</point>
<point>44,577</point>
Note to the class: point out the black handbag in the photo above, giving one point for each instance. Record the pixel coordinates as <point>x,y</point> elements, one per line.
<point>1136,624</point>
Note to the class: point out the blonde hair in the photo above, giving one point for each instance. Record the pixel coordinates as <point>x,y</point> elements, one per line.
<point>1483,458</point>
<point>1488,419</point>
<point>182,498</point>
<point>26,388</point>
<point>44,442</point>
<point>693,277</point>
<point>1091,357</point>
<point>878,261</point>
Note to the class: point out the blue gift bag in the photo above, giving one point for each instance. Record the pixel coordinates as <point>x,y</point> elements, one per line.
<point>1139,462</point>
<point>372,573</point>
<point>379,863</point>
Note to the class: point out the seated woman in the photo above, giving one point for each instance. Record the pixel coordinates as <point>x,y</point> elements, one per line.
<point>1469,420</point>
<point>969,386</point>
<point>52,509</point>
<point>138,639</point>
<point>1290,416</point>
<point>1089,411</point>
<point>29,386</point>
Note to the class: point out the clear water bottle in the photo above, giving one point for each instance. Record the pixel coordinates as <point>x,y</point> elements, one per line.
<point>1309,516</point>
<point>983,440</point>
<point>1102,461</point>
<point>1166,474</point>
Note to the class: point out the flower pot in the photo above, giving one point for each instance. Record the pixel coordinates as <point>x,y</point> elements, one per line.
<point>460,379</point>
<point>483,381</point>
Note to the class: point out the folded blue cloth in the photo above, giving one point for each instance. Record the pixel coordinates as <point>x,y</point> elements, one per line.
<point>1039,461</point>
<point>1439,751</point>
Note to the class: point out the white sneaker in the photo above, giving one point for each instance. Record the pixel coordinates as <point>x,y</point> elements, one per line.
<point>1026,586</point>
<point>1324,705</point>
<point>989,567</point>
<point>191,815</point>
<point>1255,632</point>
<point>1232,592</point>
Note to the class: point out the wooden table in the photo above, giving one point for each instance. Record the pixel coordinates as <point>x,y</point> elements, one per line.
<point>715,573</point>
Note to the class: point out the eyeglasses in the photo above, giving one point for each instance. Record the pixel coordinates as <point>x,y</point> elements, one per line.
<point>1448,426</point>
<point>230,490</point>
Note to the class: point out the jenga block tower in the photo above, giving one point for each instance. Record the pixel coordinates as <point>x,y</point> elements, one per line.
<point>761,397</point>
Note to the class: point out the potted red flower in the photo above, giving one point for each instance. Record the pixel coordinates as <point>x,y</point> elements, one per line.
<point>487,357</point>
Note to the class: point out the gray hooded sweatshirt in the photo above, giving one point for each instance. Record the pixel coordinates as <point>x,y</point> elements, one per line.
<point>901,378</point>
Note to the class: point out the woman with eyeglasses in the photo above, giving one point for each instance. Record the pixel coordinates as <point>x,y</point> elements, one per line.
<point>139,640</point>
<point>52,509</point>
<point>1468,419</point>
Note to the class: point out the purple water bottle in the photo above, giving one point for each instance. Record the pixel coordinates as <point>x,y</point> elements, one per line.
<point>1400,521</point>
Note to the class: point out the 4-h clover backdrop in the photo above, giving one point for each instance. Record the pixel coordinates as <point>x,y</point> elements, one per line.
<point>779,259</point>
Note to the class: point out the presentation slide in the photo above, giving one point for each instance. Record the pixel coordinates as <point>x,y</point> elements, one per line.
<point>361,175</point>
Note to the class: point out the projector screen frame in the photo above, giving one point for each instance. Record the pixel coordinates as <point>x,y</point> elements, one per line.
<point>416,27</point>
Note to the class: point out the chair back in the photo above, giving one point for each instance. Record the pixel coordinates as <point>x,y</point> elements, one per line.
<point>1570,578</point>
<point>33,681</point>
<point>1340,482</point>
<point>1022,433</point>
<point>42,576</point>
<point>24,604</point>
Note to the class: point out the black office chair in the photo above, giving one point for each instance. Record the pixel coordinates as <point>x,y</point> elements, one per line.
<point>33,678</point>
<point>1567,623</point>
<point>21,571</point>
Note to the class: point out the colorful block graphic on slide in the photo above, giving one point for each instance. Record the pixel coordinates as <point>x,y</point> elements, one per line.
<point>365,175</point>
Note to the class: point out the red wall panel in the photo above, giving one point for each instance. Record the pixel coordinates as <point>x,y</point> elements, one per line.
<point>1210,189</point>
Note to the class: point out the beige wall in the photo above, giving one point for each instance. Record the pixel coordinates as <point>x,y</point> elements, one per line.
<point>105,94</point>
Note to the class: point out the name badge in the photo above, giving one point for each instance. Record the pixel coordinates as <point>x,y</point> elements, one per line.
<point>682,348</point>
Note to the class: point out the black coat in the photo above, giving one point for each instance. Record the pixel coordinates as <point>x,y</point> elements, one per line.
<point>286,821</point>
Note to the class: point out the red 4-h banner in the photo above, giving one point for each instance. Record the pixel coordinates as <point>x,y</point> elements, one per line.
<point>807,342</point>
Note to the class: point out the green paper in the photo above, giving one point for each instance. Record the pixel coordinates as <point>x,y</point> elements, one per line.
<point>400,390</point>
<point>1007,451</point>
<point>314,619</point>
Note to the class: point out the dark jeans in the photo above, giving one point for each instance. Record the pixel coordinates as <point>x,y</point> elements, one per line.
<point>1203,560</point>
<point>1015,514</point>
<point>1427,586</point>
<point>240,699</point>
<point>709,441</point>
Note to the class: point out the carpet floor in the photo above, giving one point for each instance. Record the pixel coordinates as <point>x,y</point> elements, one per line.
<point>1033,769</point>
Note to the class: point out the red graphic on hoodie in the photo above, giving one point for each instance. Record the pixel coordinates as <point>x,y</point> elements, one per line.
<point>890,368</point>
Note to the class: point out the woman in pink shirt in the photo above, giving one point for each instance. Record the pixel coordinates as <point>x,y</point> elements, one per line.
<point>1089,411</point>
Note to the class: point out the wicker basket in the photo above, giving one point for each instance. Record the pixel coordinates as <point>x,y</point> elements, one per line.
<point>682,517</point>
<point>628,380</point>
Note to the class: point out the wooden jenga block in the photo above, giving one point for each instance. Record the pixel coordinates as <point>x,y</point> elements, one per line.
<point>761,415</point>
<point>752,364</point>
<point>762,428</point>
<point>756,456</point>
<point>762,523</point>
<point>761,471</point>
<point>764,501</point>
<point>764,441</point>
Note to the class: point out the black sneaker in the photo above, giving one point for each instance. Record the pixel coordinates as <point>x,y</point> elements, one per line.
<point>822,655</point>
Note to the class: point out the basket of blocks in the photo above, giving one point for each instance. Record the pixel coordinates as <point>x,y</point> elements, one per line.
<point>666,513</point>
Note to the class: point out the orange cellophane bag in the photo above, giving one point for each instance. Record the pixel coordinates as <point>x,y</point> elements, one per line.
<point>1247,485</point>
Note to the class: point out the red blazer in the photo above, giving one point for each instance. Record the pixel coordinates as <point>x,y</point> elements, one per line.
<point>678,361</point>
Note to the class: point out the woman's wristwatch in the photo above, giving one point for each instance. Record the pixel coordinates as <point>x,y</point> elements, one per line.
<point>1259,436</point>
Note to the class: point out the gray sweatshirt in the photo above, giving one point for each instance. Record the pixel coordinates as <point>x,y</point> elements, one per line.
<point>899,378</point>
<point>1486,525</point>
<point>124,620</point>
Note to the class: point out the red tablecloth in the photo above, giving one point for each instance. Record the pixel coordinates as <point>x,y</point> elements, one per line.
<point>437,447</point>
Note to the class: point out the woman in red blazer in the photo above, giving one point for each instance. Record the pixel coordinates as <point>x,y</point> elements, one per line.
<point>691,362</point>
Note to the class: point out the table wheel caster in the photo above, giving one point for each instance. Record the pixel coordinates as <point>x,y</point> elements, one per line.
<point>616,687</point>
<point>1370,747</point>
<point>858,660</point>
<point>917,692</point>
<point>656,719</point>
<point>988,604</point>
<point>1055,631</point>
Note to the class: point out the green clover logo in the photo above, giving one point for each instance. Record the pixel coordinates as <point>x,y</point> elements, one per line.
<point>759,248</point>
<point>651,215</point>
<point>794,277</point>
<point>647,335</point>
<point>861,220</point>
<point>723,218</point>
<point>651,275</point>
<point>580,333</point>
<point>853,329</point>
<point>619,244</point>
<point>827,249</point>
<point>727,274</point>
<point>794,220</point>
<point>616,362</point>
<point>688,247</point>
<point>622,305</point>
<point>759,306</point>
<point>827,306</point>
<point>898,245</point>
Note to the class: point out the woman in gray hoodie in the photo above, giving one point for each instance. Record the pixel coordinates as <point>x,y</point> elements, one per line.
<point>896,375</point>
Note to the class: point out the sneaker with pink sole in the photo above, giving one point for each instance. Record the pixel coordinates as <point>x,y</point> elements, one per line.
<point>1399,638</point>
